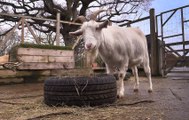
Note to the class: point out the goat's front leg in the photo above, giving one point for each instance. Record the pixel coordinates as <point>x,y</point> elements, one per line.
<point>120,83</point>
<point>109,69</point>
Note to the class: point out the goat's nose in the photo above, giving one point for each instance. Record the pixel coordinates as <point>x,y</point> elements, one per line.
<point>89,45</point>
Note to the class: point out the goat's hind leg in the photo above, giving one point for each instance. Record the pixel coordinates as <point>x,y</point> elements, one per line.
<point>135,73</point>
<point>148,74</point>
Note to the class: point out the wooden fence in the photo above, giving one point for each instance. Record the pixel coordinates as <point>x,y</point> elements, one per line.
<point>23,22</point>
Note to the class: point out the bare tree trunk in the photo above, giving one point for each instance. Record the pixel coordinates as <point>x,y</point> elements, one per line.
<point>69,40</point>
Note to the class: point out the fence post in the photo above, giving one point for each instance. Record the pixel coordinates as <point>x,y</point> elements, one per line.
<point>58,29</point>
<point>22,35</point>
<point>154,44</point>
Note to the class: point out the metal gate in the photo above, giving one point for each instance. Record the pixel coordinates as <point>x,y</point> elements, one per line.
<point>173,30</point>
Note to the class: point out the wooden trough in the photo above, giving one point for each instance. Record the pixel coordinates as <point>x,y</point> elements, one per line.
<point>40,58</point>
<point>38,62</point>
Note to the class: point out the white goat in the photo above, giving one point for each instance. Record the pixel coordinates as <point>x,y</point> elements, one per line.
<point>118,47</point>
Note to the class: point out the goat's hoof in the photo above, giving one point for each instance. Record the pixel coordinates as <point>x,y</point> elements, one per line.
<point>150,91</point>
<point>135,90</point>
<point>120,96</point>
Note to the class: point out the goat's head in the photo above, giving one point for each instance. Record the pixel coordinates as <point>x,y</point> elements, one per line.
<point>90,30</point>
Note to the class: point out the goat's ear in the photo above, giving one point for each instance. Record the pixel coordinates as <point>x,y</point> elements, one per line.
<point>103,25</point>
<point>76,33</point>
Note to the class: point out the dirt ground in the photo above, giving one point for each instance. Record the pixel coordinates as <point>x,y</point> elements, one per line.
<point>169,101</point>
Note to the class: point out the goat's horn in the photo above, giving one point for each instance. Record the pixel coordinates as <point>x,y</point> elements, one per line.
<point>80,19</point>
<point>94,15</point>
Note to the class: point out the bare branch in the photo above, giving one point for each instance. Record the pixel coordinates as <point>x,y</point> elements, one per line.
<point>69,10</point>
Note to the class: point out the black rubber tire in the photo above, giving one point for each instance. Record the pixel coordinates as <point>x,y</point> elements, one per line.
<point>80,91</point>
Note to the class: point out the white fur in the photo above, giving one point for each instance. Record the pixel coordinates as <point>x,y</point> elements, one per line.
<point>120,48</point>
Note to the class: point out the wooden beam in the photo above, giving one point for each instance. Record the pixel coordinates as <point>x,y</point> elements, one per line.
<point>154,44</point>
<point>22,34</point>
<point>38,18</point>
<point>42,66</point>
<point>29,58</point>
<point>45,52</point>
<point>32,32</point>
<point>44,59</point>
<point>58,29</point>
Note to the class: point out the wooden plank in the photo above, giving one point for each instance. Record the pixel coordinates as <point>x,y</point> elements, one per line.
<point>37,51</point>
<point>7,73</point>
<point>7,81</point>
<point>60,59</point>
<point>27,58</point>
<point>45,59</point>
<point>4,58</point>
<point>42,66</point>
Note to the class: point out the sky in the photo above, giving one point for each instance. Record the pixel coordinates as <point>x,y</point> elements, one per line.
<point>173,26</point>
<point>164,5</point>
